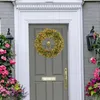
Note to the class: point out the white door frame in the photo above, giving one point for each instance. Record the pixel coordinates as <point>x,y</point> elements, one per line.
<point>56,13</point>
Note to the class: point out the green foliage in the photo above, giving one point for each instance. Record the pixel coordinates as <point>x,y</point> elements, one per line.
<point>7,82</point>
<point>96,47</point>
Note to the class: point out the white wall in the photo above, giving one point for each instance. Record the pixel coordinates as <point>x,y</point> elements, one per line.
<point>49,0</point>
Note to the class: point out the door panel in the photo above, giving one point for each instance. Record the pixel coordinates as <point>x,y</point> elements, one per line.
<point>40,61</point>
<point>57,63</point>
<point>40,90</point>
<point>47,67</point>
<point>58,90</point>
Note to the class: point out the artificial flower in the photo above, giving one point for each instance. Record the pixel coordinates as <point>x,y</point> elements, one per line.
<point>12,80</point>
<point>12,61</point>
<point>17,86</point>
<point>2,81</point>
<point>2,67</point>
<point>7,45</point>
<point>97,73</point>
<point>3,58</point>
<point>98,85</point>
<point>2,51</point>
<point>5,73</point>
<point>93,60</point>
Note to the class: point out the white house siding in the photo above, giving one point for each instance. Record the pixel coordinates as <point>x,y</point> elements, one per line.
<point>7,17</point>
<point>91,17</point>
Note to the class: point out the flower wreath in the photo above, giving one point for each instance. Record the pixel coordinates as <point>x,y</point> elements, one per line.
<point>49,34</point>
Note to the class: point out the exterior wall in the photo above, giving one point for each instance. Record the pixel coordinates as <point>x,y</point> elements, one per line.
<point>91,17</point>
<point>7,17</point>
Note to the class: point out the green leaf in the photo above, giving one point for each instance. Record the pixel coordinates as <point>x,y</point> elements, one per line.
<point>92,93</point>
<point>95,85</point>
<point>90,88</point>
<point>98,63</point>
<point>1,98</point>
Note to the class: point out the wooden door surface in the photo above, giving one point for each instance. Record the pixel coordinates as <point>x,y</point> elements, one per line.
<point>41,66</point>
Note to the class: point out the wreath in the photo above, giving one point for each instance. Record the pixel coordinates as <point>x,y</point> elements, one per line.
<point>48,35</point>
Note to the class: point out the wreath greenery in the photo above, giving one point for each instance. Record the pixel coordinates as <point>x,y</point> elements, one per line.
<point>49,34</point>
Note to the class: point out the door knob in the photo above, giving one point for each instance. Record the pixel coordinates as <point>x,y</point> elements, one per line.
<point>65,78</point>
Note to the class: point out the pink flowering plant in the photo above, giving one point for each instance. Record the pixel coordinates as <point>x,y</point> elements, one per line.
<point>9,86</point>
<point>93,86</point>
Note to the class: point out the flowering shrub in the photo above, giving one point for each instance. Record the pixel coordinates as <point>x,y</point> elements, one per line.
<point>97,73</point>
<point>9,86</point>
<point>93,86</point>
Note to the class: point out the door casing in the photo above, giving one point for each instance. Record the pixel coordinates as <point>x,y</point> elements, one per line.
<point>64,13</point>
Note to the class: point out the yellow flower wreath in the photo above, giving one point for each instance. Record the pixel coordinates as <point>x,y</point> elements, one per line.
<point>51,34</point>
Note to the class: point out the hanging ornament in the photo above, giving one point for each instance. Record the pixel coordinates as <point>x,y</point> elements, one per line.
<point>47,37</point>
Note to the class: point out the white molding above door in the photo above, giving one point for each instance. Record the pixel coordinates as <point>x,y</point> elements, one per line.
<point>56,13</point>
<point>49,6</point>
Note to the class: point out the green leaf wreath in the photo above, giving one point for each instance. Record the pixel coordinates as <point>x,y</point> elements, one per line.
<point>9,86</point>
<point>49,34</point>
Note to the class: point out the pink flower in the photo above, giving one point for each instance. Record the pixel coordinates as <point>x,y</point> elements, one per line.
<point>3,58</point>
<point>1,87</point>
<point>5,51</point>
<point>12,80</point>
<point>98,85</point>
<point>2,51</point>
<point>93,60</point>
<point>8,92</point>
<point>5,73</point>
<point>97,73</point>
<point>2,67</point>
<point>5,92</point>
<point>7,45</point>
<point>4,95</point>
<point>12,61</point>
<point>2,81</point>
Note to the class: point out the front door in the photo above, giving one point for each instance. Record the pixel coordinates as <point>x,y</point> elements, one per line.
<point>48,76</point>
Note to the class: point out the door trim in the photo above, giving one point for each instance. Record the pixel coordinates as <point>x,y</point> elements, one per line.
<point>75,40</point>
